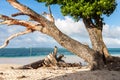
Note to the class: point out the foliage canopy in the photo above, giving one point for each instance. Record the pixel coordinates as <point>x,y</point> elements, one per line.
<point>84,8</point>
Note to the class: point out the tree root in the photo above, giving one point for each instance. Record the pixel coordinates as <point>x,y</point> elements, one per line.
<point>113,64</point>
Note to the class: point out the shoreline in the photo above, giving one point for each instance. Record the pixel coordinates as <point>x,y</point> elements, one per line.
<point>27,60</point>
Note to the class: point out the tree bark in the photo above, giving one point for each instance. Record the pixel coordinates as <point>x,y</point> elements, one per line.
<point>95,33</point>
<point>91,56</point>
<point>81,50</point>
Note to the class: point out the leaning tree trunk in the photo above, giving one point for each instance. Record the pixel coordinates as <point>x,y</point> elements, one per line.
<point>97,41</point>
<point>49,28</point>
<point>81,50</point>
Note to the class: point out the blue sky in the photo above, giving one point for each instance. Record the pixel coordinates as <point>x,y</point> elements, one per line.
<point>66,24</point>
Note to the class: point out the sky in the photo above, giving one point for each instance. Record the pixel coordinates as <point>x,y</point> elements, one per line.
<point>76,30</point>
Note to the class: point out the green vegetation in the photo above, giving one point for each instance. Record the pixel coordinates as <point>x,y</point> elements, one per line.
<point>84,8</point>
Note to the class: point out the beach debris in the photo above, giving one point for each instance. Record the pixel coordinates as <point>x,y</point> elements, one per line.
<point>1,73</point>
<point>23,76</point>
<point>51,60</point>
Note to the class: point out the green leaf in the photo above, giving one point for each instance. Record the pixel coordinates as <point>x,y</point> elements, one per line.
<point>84,8</point>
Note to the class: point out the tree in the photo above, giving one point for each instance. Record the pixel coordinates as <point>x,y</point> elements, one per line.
<point>92,19</point>
<point>91,12</point>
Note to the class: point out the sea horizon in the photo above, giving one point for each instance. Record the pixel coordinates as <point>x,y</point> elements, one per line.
<point>31,52</point>
<point>28,55</point>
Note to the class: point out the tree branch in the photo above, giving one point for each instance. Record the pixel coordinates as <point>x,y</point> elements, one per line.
<point>17,14</point>
<point>50,13</point>
<point>20,13</point>
<point>98,21</point>
<point>89,23</point>
<point>14,36</point>
<point>10,21</point>
<point>24,9</point>
<point>48,16</point>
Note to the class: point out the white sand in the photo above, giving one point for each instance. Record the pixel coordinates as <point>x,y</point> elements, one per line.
<point>6,73</point>
<point>35,74</point>
<point>26,60</point>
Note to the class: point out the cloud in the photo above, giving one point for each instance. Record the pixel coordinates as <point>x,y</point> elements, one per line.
<point>111,31</point>
<point>76,30</point>
<point>112,42</point>
<point>5,31</point>
<point>111,35</point>
<point>70,27</point>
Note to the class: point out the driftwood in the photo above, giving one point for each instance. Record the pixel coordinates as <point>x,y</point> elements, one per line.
<point>51,60</point>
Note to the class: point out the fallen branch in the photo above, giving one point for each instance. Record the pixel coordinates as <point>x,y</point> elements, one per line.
<point>13,36</point>
<point>49,61</point>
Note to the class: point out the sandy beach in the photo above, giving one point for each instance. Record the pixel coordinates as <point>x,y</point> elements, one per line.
<point>74,73</point>
<point>26,60</point>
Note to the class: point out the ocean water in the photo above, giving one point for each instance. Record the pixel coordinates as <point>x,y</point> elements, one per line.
<point>28,52</point>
